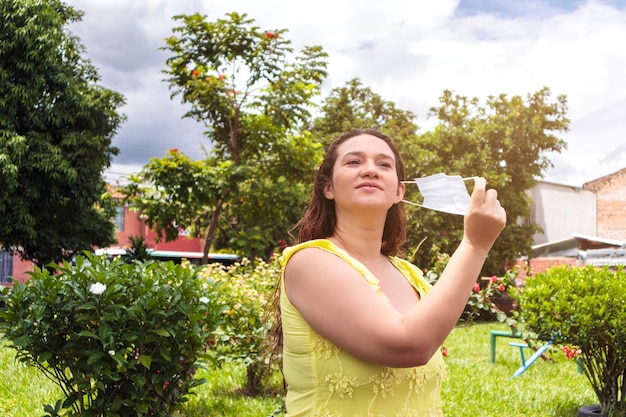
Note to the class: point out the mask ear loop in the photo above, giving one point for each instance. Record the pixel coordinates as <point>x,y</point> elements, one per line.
<point>414,182</point>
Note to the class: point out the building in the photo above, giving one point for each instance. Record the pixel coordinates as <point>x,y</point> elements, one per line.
<point>561,210</point>
<point>128,223</point>
<point>610,192</point>
<point>581,225</point>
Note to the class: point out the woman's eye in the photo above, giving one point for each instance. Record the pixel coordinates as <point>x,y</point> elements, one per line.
<point>385,164</point>
<point>352,162</point>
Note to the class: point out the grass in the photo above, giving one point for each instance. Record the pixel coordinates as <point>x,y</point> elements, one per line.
<point>474,386</point>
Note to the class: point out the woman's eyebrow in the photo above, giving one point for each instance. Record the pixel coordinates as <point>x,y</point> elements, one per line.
<point>361,154</point>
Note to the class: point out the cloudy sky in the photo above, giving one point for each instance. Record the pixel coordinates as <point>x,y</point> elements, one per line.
<point>407,51</point>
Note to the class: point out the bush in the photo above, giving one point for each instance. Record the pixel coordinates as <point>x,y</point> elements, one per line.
<point>119,339</point>
<point>584,311</point>
<point>243,336</point>
<point>484,301</point>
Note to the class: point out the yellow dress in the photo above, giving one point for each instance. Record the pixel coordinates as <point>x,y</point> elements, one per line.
<point>324,381</point>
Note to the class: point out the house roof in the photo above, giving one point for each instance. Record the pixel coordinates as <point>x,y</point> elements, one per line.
<point>571,246</point>
<point>592,250</point>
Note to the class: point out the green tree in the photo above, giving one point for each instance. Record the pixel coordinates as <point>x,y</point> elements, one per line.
<point>56,126</point>
<point>253,94</point>
<point>356,106</point>
<point>507,140</point>
<point>173,193</point>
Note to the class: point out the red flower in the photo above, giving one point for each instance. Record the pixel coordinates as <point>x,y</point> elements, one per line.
<point>494,278</point>
<point>476,287</point>
<point>173,150</point>
<point>501,287</point>
<point>271,35</point>
<point>194,72</point>
<point>570,352</point>
<point>444,351</point>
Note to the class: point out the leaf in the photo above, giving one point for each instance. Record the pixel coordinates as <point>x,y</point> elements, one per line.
<point>145,360</point>
<point>161,332</point>
<point>87,333</point>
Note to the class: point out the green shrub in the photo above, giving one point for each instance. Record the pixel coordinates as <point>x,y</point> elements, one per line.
<point>119,339</point>
<point>247,291</point>
<point>583,310</point>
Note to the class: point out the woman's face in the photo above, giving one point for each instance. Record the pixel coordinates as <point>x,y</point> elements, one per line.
<point>364,175</point>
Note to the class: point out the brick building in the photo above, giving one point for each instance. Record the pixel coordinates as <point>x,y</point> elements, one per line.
<point>610,192</point>
<point>128,223</point>
<point>582,225</point>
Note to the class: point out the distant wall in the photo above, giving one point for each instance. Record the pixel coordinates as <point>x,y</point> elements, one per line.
<point>611,201</point>
<point>561,210</point>
<point>539,265</point>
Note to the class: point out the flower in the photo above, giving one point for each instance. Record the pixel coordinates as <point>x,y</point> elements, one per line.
<point>111,352</point>
<point>97,288</point>
<point>204,300</point>
<point>476,287</point>
<point>571,352</point>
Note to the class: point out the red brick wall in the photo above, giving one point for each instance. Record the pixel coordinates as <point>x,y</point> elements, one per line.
<point>133,226</point>
<point>539,265</point>
<point>611,204</point>
<point>21,268</point>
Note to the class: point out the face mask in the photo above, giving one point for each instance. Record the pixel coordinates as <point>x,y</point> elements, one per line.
<point>441,192</point>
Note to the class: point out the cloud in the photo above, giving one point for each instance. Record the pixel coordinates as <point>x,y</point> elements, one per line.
<point>406,51</point>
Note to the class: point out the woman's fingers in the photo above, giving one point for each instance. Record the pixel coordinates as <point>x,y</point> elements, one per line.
<point>485,217</point>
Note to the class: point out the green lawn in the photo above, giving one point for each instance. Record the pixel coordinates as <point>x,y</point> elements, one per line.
<point>474,386</point>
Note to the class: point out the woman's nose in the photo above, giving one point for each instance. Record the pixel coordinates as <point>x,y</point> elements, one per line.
<point>369,169</point>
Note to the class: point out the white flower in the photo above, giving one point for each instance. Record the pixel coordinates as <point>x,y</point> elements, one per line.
<point>97,288</point>
<point>204,300</point>
<point>111,352</point>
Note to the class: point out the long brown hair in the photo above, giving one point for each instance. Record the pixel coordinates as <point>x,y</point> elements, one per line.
<point>320,219</point>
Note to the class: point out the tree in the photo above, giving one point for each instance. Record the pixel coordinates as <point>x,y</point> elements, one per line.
<point>507,141</point>
<point>252,95</point>
<point>56,126</point>
<point>356,106</point>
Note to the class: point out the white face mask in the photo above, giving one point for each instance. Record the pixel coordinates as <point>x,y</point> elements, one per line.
<point>441,192</point>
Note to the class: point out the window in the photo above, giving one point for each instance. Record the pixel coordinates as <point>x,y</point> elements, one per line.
<point>119,218</point>
<point>6,266</point>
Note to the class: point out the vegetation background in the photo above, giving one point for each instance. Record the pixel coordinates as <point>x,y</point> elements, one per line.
<point>474,386</point>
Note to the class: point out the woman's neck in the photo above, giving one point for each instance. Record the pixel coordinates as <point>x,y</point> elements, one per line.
<point>360,242</point>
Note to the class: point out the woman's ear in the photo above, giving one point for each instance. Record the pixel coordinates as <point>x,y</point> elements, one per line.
<point>400,193</point>
<point>328,191</point>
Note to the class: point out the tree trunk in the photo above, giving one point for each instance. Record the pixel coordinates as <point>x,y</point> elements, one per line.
<point>210,235</point>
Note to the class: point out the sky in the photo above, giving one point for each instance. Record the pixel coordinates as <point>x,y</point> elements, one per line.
<point>406,51</point>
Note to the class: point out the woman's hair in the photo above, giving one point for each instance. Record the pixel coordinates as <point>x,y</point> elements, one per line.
<point>320,219</point>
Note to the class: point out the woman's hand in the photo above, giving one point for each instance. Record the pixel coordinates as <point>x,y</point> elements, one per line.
<point>485,217</point>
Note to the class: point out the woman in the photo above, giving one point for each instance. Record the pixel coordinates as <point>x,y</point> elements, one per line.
<point>362,330</point>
